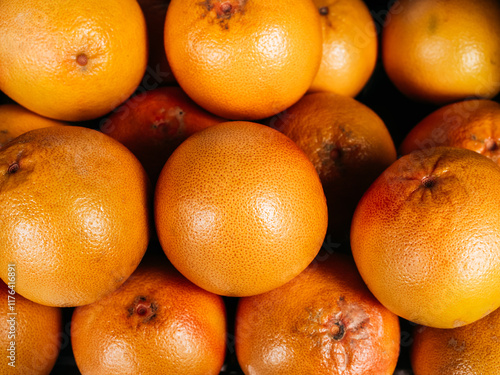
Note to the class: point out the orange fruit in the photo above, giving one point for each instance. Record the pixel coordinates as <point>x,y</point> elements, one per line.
<point>16,120</point>
<point>79,59</point>
<point>239,209</point>
<point>324,321</point>
<point>443,51</point>
<point>30,334</point>
<point>240,59</point>
<point>155,12</point>
<point>156,323</point>
<point>472,349</point>
<point>349,47</point>
<point>153,124</point>
<point>471,124</point>
<point>347,143</point>
<point>426,235</point>
<point>73,213</point>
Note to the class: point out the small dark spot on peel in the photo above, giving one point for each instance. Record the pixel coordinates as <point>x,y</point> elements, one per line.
<point>433,24</point>
<point>13,168</point>
<point>324,11</point>
<point>428,182</point>
<point>82,59</point>
<point>490,144</point>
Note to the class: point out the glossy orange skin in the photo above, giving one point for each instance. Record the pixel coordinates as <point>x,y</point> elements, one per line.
<point>349,47</point>
<point>239,209</point>
<point>154,123</point>
<point>16,120</point>
<point>155,12</point>
<point>324,321</point>
<point>80,59</point>
<point>468,350</point>
<point>73,213</point>
<point>348,144</point>
<point>426,234</point>
<point>37,333</point>
<point>472,124</point>
<point>181,328</point>
<point>441,51</point>
<point>249,63</point>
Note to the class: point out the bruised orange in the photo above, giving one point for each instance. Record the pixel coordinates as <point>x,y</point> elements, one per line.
<point>156,323</point>
<point>239,209</point>
<point>73,213</point>
<point>426,234</point>
<point>471,124</point>
<point>324,321</point>
<point>348,144</point>
<point>243,60</point>
<point>154,123</point>
<point>472,349</point>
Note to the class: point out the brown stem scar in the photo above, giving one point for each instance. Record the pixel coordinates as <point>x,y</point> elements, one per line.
<point>323,11</point>
<point>13,168</point>
<point>226,7</point>
<point>82,59</point>
<point>338,331</point>
<point>490,144</point>
<point>428,182</point>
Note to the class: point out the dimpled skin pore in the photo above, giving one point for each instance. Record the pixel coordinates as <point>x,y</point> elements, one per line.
<point>239,209</point>
<point>469,350</point>
<point>74,214</point>
<point>441,51</point>
<point>471,124</point>
<point>324,321</point>
<point>426,237</point>
<point>181,330</point>
<point>248,63</point>
<point>37,329</point>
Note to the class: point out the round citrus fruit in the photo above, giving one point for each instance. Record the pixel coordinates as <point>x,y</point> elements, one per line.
<point>156,323</point>
<point>468,350</point>
<point>471,124</point>
<point>71,60</point>
<point>426,237</point>
<point>154,123</point>
<point>443,51</point>
<point>347,143</point>
<point>324,321</point>
<point>239,209</point>
<point>73,213</point>
<point>243,60</point>
<point>30,334</point>
<point>349,47</point>
<point>155,12</point>
<point>16,120</point>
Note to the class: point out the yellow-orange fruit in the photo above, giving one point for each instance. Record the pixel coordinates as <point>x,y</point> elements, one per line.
<point>16,120</point>
<point>324,321</point>
<point>471,124</point>
<point>442,51</point>
<point>73,213</point>
<point>71,60</point>
<point>239,209</point>
<point>349,47</point>
<point>472,349</point>
<point>426,237</point>
<point>156,323</point>
<point>30,334</point>
<point>243,60</point>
